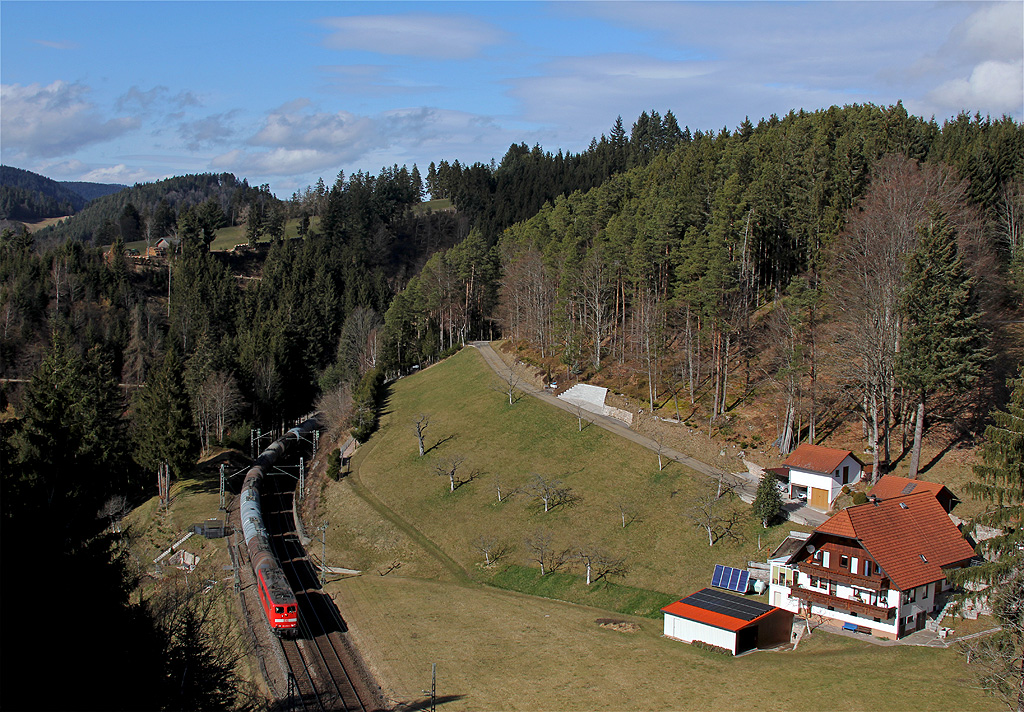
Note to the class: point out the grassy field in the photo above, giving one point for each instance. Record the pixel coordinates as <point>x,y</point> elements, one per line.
<point>664,551</point>
<point>425,596</point>
<point>497,650</point>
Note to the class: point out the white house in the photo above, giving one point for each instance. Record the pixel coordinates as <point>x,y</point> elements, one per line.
<point>818,473</point>
<point>877,568</point>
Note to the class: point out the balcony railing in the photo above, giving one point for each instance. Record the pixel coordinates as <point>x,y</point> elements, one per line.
<point>824,599</point>
<point>876,583</point>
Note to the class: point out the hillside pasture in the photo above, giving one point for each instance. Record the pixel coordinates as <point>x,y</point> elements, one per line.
<point>517,446</point>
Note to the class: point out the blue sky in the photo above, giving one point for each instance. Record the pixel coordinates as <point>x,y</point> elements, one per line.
<point>284,93</point>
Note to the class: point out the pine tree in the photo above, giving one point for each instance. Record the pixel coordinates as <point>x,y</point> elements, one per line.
<point>163,420</point>
<point>768,501</point>
<point>999,480</point>
<point>944,345</point>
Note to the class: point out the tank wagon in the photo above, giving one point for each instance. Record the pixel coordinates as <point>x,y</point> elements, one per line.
<point>276,595</point>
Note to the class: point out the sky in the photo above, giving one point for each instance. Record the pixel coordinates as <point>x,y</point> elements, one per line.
<point>285,93</point>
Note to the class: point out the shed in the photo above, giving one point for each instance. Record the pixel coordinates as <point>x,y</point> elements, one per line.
<point>727,621</point>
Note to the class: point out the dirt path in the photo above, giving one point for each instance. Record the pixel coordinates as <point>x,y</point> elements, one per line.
<point>460,574</point>
<point>743,484</point>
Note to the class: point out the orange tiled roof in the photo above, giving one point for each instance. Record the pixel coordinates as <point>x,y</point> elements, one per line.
<point>911,537</point>
<point>890,486</point>
<point>712,618</point>
<point>817,458</point>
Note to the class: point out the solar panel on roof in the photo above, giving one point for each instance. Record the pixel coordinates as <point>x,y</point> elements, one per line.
<point>733,606</point>
<point>730,578</point>
<point>908,488</point>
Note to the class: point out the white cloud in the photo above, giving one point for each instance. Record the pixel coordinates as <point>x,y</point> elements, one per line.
<point>276,162</point>
<point>120,173</point>
<point>994,31</point>
<point>997,87</point>
<point>292,127</point>
<point>54,120</point>
<point>415,35</point>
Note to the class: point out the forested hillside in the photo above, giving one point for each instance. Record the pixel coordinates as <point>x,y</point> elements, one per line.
<point>150,210</point>
<point>91,191</point>
<point>28,196</point>
<point>774,258</point>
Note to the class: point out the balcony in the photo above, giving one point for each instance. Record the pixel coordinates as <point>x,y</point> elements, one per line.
<point>846,604</point>
<point>875,583</point>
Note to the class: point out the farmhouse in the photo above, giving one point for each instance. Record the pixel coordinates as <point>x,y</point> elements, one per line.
<point>818,473</point>
<point>727,621</point>
<point>877,568</point>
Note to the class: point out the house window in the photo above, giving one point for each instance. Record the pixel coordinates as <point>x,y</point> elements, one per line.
<point>817,555</point>
<point>844,561</point>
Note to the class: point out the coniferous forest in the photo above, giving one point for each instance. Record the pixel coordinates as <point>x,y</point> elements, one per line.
<point>855,264</point>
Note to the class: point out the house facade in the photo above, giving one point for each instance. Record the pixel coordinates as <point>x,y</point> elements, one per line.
<point>817,474</point>
<point>878,568</point>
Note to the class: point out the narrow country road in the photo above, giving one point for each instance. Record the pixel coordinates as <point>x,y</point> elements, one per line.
<point>744,484</point>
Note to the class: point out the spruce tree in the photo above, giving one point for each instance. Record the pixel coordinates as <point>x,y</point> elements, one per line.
<point>768,501</point>
<point>999,481</point>
<point>164,432</point>
<point>944,344</point>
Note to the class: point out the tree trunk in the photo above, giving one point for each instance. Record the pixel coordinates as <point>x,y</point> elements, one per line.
<point>915,455</point>
<point>874,441</point>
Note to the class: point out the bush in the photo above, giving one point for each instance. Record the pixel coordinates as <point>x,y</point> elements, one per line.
<point>860,498</point>
<point>711,648</point>
<point>334,465</point>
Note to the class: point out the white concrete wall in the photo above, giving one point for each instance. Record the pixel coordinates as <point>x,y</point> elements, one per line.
<point>689,631</point>
<point>832,482</point>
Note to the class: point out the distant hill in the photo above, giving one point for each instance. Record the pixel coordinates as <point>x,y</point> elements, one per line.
<point>29,196</point>
<point>160,201</point>
<point>91,191</point>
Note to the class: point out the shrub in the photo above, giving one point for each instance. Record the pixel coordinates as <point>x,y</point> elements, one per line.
<point>334,465</point>
<point>711,648</point>
<point>860,498</point>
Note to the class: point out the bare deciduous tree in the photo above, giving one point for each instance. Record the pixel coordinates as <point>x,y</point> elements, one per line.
<point>449,467</point>
<point>336,408</point>
<point>552,493</point>
<point>509,384</point>
<point>419,424</point>
<point>707,513</point>
<point>541,550</point>
<point>599,563</point>
<point>628,511</point>
<point>492,548</point>
<point>114,510</point>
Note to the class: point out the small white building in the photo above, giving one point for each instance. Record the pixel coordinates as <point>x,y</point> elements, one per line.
<point>877,568</point>
<point>727,621</point>
<point>817,474</point>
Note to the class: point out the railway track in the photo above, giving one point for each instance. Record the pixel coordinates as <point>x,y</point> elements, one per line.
<point>325,673</point>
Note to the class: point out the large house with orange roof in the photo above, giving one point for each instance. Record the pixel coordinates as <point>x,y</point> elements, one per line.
<point>817,474</point>
<point>878,568</point>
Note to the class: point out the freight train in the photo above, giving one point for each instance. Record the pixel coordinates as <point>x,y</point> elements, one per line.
<point>276,595</point>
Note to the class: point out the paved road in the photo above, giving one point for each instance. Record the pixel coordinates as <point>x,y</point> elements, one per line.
<point>744,484</point>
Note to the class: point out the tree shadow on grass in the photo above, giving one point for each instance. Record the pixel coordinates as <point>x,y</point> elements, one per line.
<point>440,442</point>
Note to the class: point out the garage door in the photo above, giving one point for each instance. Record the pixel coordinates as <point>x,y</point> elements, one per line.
<point>819,498</point>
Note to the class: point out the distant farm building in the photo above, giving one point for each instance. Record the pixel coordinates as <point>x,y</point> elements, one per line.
<point>727,621</point>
